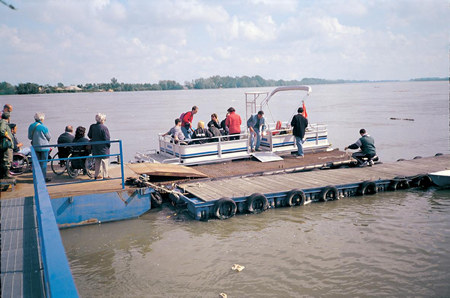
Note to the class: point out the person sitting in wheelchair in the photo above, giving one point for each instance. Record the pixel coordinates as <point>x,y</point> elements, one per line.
<point>82,150</point>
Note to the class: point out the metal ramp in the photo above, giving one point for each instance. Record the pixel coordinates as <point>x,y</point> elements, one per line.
<point>266,156</point>
<point>21,268</point>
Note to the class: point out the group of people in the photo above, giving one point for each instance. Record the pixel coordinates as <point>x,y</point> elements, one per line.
<point>231,127</point>
<point>183,130</point>
<point>40,137</point>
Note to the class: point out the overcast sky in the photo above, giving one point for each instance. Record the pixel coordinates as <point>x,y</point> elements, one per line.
<point>84,41</point>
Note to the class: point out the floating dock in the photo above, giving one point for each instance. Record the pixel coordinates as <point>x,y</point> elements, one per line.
<point>222,198</point>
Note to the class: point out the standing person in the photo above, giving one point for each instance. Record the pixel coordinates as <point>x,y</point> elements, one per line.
<point>256,124</point>
<point>66,137</point>
<point>39,135</point>
<point>99,132</point>
<point>6,146</point>
<point>299,123</point>
<point>233,122</point>
<point>186,122</point>
<point>367,145</point>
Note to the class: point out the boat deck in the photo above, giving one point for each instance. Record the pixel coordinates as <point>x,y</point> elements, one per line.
<point>237,187</point>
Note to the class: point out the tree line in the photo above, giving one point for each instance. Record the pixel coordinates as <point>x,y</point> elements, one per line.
<point>213,82</point>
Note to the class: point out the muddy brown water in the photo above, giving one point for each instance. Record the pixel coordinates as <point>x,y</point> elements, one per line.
<point>388,244</point>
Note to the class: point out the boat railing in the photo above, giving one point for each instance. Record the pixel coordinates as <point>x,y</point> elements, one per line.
<point>217,146</point>
<point>118,155</point>
<point>58,280</point>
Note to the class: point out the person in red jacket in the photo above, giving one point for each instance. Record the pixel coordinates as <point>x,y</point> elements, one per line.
<point>186,122</point>
<point>233,122</point>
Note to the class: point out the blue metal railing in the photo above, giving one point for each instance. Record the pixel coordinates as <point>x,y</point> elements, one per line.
<point>80,144</point>
<point>58,279</point>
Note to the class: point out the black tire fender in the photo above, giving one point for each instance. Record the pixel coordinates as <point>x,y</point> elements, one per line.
<point>156,199</point>
<point>399,183</point>
<point>329,193</point>
<point>367,188</point>
<point>174,198</point>
<point>257,203</point>
<point>225,208</point>
<point>422,181</point>
<point>295,197</point>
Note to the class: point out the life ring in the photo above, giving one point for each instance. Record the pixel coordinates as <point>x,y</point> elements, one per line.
<point>224,208</point>
<point>399,183</point>
<point>329,193</point>
<point>422,181</point>
<point>295,197</point>
<point>367,188</point>
<point>156,199</point>
<point>257,203</point>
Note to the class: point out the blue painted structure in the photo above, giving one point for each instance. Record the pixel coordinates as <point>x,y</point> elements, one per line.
<point>101,207</point>
<point>58,280</point>
<point>119,155</point>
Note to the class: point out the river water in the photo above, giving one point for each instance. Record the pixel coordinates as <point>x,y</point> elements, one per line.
<point>389,244</point>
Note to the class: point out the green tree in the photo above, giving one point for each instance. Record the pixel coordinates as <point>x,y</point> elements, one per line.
<point>7,88</point>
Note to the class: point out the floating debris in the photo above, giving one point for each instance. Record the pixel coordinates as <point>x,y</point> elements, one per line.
<point>237,267</point>
<point>406,119</point>
<point>223,295</point>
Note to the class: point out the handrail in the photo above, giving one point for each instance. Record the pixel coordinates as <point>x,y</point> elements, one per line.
<point>120,155</point>
<point>58,279</point>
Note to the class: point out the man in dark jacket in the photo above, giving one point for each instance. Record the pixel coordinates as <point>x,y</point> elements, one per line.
<point>299,124</point>
<point>66,137</point>
<point>367,145</point>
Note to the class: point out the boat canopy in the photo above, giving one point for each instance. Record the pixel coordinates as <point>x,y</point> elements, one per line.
<point>251,98</point>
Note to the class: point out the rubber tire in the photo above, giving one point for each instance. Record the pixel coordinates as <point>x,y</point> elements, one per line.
<point>423,181</point>
<point>295,197</point>
<point>156,199</point>
<point>367,188</point>
<point>55,165</point>
<point>225,208</point>
<point>324,195</point>
<point>175,199</point>
<point>260,200</point>
<point>399,183</point>
<point>73,173</point>
<point>23,160</point>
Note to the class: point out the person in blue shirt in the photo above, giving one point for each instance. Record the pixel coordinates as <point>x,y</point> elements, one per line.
<point>256,124</point>
<point>39,135</point>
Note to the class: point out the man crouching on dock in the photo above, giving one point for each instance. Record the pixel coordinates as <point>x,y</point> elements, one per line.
<point>367,145</point>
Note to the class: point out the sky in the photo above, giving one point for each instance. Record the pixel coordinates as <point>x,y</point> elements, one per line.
<point>145,41</point>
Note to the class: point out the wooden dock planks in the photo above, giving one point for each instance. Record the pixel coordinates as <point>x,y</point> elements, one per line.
<point>241,187</point>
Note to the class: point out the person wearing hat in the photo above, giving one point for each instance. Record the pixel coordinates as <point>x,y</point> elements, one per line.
<point>6,146</point>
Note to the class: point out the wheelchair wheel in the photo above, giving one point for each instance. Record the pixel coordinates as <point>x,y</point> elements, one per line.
<point>58,166</point>
<point>19,164</point>
<point>73,173</point>
<point>90,167</point>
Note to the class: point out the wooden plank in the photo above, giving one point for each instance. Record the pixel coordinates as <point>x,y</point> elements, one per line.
<point>240,187</point>
<point>159,169</point>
